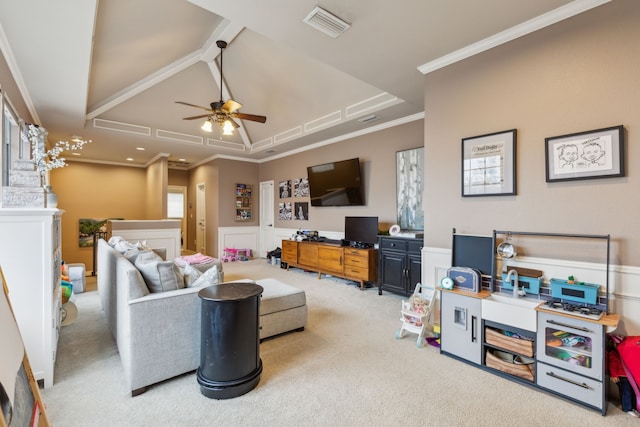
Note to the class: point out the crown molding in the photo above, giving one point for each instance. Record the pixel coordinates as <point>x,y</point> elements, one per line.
<point>564,12</point>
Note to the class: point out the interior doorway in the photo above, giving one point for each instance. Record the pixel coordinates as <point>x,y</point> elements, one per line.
<point>177,209</point>
<point>201,225</point>
<point>267,229</point>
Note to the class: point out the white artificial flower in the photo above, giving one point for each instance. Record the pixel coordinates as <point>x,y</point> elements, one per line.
<point>48,160</point>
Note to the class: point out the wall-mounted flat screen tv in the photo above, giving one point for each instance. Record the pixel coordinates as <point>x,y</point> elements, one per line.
<point>336,183</point>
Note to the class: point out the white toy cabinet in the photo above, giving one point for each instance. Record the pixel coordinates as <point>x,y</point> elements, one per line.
<point>30,257</point>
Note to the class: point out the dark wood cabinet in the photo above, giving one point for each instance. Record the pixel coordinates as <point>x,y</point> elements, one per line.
<point>399,264</point>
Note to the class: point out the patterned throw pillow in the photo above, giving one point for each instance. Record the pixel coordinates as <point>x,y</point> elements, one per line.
<point>208,278</point>
<point>191,274</point>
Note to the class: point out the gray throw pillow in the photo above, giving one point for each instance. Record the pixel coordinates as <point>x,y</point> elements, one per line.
<point>132,254</point>
<point>137,286</point>
<point>160,276</point>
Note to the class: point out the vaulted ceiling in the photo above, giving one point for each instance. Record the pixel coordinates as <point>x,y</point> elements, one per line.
<point>111,71</point>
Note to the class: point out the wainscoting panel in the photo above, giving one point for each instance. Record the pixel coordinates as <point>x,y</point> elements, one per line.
<point>238,238</point>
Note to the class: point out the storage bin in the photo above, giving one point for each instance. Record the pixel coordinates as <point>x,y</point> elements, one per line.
<point>505,362</point>
<point>517,345</point>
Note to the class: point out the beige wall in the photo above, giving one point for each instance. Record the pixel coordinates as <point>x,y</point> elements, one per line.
<point>178,177</point>
<point>578,75</point>
<point>89,190</point>
<point>377,153</point>
<point>156,196</point>
<point>206,174</point>
<point>233,172</point>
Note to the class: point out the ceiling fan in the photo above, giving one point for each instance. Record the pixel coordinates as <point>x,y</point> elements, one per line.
<point>223,112</point>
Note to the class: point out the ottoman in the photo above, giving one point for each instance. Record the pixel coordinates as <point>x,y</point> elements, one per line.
<point>283,308</point>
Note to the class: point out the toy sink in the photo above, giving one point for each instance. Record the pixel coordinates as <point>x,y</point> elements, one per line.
<point>510,311</point>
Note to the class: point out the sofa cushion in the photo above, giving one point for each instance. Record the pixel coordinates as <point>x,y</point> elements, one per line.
<point>159,275</point>
<point>137,286</point>
<point>208,278</point>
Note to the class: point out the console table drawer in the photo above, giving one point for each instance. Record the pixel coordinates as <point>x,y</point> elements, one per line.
<point>357,273</point>
<point>356,260</point>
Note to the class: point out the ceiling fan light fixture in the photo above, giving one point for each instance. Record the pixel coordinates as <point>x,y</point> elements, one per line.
<point>227,128</point>
<point>327,22</point>
<point>207,126</point>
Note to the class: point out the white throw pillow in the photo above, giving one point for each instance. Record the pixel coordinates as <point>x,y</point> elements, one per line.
<point>160,276</point>
<point>115,239</point>
<point>208,278</point>
<point>123,246</point>
<point>191,274</point>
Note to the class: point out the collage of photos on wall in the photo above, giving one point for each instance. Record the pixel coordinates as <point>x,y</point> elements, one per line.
<point>296,210</point>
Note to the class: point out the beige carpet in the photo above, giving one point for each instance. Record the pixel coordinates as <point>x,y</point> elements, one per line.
<point>345,369</point>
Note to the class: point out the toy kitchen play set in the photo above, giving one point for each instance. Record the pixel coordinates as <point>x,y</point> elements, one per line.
<point>545,332</point>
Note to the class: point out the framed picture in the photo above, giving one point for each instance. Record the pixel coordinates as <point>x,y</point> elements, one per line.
<point>489,164</point>
<point>285,189</point>
<point>301,187</point>
<point>586,155</point>
<point>409,183</point>
<point>301,210</point>
<point>284,211</point>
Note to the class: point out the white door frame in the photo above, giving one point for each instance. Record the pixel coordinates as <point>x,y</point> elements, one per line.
<point>201,215</point>
<point>267,219</point>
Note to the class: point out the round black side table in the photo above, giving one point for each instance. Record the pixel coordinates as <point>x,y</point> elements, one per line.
<point>230,363</point>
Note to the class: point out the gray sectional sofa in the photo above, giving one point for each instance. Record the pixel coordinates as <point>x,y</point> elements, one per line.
<point>158,334</point>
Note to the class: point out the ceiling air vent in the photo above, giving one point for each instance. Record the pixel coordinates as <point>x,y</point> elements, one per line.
<point>368,119</point>
<point>177,164</point>
<point>326,22</point>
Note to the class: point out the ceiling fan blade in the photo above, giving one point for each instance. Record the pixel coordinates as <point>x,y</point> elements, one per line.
<point>251,117</point>
<point>193,105</point>
<point>230,106</point>
<point>196,117</point>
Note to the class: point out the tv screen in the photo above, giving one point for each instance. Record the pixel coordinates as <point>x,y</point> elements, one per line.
<point>361,230</point>
<point>474,252</point>
<point>336,183</point>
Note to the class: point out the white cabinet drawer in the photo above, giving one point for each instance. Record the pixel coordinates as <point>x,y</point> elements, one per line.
<point>571,385</point>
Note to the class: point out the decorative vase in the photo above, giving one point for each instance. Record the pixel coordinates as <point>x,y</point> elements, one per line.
<point>51,197</point>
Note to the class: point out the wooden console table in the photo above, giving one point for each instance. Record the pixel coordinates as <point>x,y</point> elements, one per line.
<point>356,264</point>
